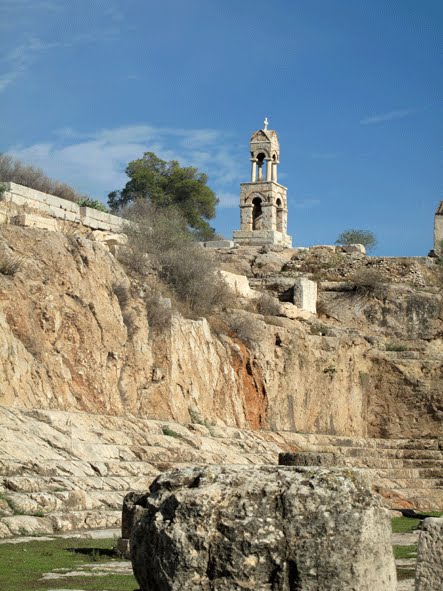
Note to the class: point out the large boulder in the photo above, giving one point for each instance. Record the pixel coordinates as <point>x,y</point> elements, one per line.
<point>263,528</point>
<point>429,572</point>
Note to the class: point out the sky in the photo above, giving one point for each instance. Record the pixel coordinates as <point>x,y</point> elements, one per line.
<point>352,87</point>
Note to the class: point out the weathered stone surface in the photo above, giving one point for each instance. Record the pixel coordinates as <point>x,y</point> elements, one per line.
<point>429,572</point>
<point>36,221</point>
<point>354,248</point>
<point>133,510</point>
<point>305,294</point>
<point>263,528</point>
<point>305,458</point>
<point>219,244</point>
<point>239,284</point>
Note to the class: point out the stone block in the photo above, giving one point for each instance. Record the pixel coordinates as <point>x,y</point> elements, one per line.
<point>429,571</point>
<point>305,295</point>
<point>354,248</point>
<point>133,509</point>
<point>261,238</point>
<point>290,311</point>
<point>110,238</point>
<point>263,528</point>
<point>34,221</point>
<point>219,244</point>
<point>306,458</point>
<point>238,284</point>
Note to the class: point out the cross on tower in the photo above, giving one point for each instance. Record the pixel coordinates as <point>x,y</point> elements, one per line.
<point>266,123</point>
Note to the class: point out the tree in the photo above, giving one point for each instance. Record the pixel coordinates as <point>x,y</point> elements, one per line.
<point>167,184</point>
<point>354,236</point>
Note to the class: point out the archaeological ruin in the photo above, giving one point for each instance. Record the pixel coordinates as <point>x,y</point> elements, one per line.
<point>316,392</point>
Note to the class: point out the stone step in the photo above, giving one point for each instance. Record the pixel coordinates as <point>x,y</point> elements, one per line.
<point>393,453</point>
<point>320,440</point>
<point>66,501</point>
<point>409,483</point>
<point>405,473</point>
<point>55,484</point>
<point>22,525</point>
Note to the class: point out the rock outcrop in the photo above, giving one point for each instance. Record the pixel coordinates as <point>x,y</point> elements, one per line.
<point>263,528</point>
<point>62,471</point>
<point>75,336</point>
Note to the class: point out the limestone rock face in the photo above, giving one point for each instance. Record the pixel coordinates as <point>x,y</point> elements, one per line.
<point>429,573</point>
<point>264,529</point>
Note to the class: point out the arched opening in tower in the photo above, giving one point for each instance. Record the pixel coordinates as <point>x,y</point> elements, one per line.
<point>257,214</point>
<point>261,163</point>
<point>279,215</point>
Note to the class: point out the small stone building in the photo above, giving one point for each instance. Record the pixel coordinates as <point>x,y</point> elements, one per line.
<point>438,229</point>
<point>263,204</point>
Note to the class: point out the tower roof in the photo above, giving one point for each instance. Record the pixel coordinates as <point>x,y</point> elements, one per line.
<point>439,209</point>
<point>263,135</point>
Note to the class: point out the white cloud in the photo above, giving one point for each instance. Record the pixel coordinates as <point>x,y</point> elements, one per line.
<point>381,118</point>
<point>94,162</point>
<point>19,59</point>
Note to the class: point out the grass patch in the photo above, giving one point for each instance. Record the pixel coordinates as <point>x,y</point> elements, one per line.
<point>402,525</point>
<point>404,552</point>
<point>171,433</point>
<point>23,565</point>
<point>403,573</point>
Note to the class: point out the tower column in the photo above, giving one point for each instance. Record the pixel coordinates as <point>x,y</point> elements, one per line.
<point>253,170</point>
<point>274,171</point>
<point>268,169</point>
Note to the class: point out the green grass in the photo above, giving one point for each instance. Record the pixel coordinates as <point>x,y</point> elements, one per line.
<point>22,565</point>
<point>171,433</point>
<point>405,551</point>
<point>401,525</point>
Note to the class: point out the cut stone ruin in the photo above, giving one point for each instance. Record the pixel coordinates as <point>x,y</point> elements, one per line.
<point>263,528</point>
<point>429,572</point>
<point>305,295</point>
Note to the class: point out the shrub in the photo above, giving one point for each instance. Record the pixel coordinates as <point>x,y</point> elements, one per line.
<point>122,293</point>
<point>396,347</point>
<point>370,281</point>
<point>267,305</point>
<point>354,236</point>
<point>93,203</point>
<point>12,170</point>
<point>10,265</point>
<point>161,237</point>
<point>159,312</point>
<point>171,433</point>
<point>246,328</point>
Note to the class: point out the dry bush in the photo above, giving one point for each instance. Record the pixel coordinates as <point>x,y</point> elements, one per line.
<point>10,265</point>
<point>122,293</point>
<point>161,237</point>
<point>159,312</point>
<point>246,328</point>
<point>12,170</point>
<point>268,306</point>
<point>370,282</point>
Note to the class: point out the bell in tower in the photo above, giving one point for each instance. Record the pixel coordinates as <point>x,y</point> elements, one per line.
<point>263,205</point>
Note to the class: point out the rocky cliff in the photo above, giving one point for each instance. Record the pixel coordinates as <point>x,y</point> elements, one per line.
<point>369,365</point>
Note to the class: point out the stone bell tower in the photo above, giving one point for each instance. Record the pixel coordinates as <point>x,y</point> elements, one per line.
<point>263,205</point>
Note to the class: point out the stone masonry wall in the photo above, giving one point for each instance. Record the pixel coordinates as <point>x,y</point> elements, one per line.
<point>16,197</point>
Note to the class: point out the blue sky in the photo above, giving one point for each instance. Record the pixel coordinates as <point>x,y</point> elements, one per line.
<point>353,88</point>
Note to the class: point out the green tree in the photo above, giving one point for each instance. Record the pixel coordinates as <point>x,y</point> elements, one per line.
<point>166,184</point>
<point>354,236</point>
